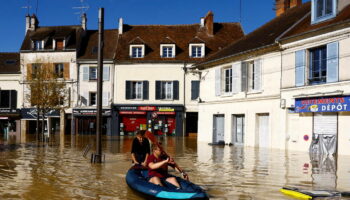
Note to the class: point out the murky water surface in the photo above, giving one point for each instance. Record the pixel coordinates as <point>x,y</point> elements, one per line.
<point>58,170</point>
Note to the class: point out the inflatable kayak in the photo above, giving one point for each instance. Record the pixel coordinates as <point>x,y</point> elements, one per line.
<point>311,194</point>
<point>136,178</point>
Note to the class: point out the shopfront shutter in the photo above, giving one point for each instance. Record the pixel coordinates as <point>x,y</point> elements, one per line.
<point>106,73</point>
<point>176,90</point>
<point>13,99</point>
<point>194,90</point>
<point>300,68</point>
<point>66,71</point>
<point>85,73</point>
<point>257,74</point>
<point>218,82</point>
<point>127,89</point>
<point>236,77</point>
<point>158,89</point>
<point>325,123</point>
<point>332,62</point>
<point>145,90</point>
<point>244,81</point>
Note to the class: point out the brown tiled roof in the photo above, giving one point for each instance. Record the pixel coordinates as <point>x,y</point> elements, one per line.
<point>305,25</point>
<point>89,46</point>
<point>264,36</point>
<point>52,32</point>
<point>182,35</point>
<point>9,63</point>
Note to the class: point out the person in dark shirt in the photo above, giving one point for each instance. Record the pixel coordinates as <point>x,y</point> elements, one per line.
<point>140,149</point>
<point>158,164</point>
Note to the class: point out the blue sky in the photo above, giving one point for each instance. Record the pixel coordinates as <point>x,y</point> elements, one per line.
<point>60,12</point>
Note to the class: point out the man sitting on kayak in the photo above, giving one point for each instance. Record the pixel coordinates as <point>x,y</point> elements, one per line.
<point>158,168</point>
<point>140,149</point>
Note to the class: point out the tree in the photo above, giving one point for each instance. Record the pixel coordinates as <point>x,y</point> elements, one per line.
<point>47,90</point>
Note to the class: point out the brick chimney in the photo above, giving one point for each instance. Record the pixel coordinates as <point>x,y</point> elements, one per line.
<point>209,23</point>
<point>84,21</point>
<point>34,22</point>
<point>283,5</point>
<point>27,23</point>
<point>120,28</point>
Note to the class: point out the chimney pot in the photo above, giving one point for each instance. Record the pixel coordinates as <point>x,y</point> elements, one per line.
<point>120,29</point>
<point>27,23</point>
<point>84,21</point>
<point>34,22</point>
<point>202,22</point>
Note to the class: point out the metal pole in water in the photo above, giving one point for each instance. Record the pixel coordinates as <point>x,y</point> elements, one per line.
<point>97,158</point>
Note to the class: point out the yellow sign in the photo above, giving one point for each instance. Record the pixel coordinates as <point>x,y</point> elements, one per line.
<point>166,109</point>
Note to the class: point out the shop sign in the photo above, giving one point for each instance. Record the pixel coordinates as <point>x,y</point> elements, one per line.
<point>90,112</point>
<point>147,108</point>
<point>166,109</point>
<point>128,108</point>
<point>10,111</point>
<point>132,113</point>
<point>166,113</point>
<point>323,104</point>
<point>31,113</point>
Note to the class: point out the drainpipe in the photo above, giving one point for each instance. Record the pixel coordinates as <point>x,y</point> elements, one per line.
<point>184,94</point>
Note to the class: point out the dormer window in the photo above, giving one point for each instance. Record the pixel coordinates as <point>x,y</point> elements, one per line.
<point>59,44</point>
<point>38,45</point>
<point>323,10</point>
<point>137,51</point>
<point>167,50</point>
<point>197,50</point>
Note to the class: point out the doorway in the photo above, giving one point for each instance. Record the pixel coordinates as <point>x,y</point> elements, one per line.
<point>238,129</point>
<point>263,130</point>
<point>218,129</point>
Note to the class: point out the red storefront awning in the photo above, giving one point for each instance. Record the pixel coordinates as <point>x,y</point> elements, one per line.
<point>132,113</point>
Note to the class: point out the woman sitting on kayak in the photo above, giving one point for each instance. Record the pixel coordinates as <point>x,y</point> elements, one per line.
<point>158,168</point>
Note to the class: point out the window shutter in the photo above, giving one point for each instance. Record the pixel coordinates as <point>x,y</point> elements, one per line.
<point>128,90</point>
<point>236,77</point>
<point>244,81</point>
<point>85,98</point>
<point>145,90</point>
<point>158,88</point>
<point>257,74</point>
<point>218,82</point>
<point>300,68</point>
<point>194,90</point>
<point>105,99</point>
<point>66,71</point>
<point>332,62</point>
<point>85,73</point>
<point>176,90</point>
<point>106,73</point>
<point>29,71</point>
<point>13,99</point>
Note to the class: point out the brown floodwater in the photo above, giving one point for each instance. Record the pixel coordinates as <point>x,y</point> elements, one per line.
<point>58,170</point>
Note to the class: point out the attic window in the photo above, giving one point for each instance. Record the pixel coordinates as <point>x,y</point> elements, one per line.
<point>59,44</point>
<point>94,50</point>
<point>323,10</point>
<point>38,45</point>
<point>10,62</point>
<point>137,51</point>
<point>197,50</point>
<point>167,50</point>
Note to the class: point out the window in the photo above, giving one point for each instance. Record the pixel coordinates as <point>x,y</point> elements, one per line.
<point>35,69</point>
<point>92,73</point>
<point>167,90</point>
<point>59,70</point>
<point>167,51</point>
<point>254,75</point>
<point>195,90</point>
<point>197,50</point>
<point>322,66</point>
<point>59,44</point>
<point>137,90</point>
<point>318,65</point>
<point>92,99</point>
<point>137,51</point>
<point>38,45</point>
<point>323,10</point>
<point>8,99</point>
<point>228,80</point>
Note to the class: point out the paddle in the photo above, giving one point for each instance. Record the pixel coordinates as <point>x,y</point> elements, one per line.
<point>154,140</point>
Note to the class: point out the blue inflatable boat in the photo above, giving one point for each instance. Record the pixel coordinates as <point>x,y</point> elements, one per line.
<point>136,178</point>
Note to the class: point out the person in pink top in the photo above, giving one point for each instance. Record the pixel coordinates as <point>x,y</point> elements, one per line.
<point>158,168</point>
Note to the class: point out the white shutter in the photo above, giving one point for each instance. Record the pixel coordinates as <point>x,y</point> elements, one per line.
<point>106,73</point>
<point>105,99</point>
<point>236,77</point>
<point>257,74</point>
<point>325,123</point>
<point>85,98</point>
<point>300,68</point>
<point>85,73</point>
<point>332,62</point>
<point>218,82</point>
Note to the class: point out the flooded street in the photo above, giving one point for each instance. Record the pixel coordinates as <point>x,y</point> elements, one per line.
<point>55,170</point>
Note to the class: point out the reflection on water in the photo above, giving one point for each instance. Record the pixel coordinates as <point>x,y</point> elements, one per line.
<point>58,170</point>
